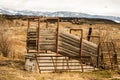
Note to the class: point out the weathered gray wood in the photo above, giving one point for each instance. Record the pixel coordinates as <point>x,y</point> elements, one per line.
<point>48,37</point>
<point>48,34</point>
<point>75,49</point>
<point>69,45</point>
<point>48,47</point>
<point>77,44</point>
<point>47,31</point>
<point>47,42</point>
<point>75,38</point>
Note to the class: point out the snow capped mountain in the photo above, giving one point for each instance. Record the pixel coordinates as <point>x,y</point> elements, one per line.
<point>7,11</point>
<point>56,14</point>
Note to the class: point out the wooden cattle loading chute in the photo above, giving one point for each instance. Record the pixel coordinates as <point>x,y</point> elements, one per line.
<point>56,50</point>
<point>68,44</point>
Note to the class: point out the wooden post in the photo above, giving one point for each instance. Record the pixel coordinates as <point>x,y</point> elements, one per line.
<point>89,34</point>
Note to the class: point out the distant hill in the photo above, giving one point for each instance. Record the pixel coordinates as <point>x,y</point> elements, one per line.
<point>57,14</point>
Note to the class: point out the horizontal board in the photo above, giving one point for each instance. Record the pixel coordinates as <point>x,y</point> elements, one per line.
<point>48,37</point>
<point>48,47</point>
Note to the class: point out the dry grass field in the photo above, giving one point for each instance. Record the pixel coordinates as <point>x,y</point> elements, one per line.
<point>12,67</point>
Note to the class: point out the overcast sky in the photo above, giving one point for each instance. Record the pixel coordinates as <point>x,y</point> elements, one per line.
<point>97,7</point>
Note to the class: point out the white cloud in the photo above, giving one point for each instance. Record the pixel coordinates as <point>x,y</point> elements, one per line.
<point>104,7</point>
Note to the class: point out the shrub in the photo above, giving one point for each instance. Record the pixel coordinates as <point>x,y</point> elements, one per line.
<point>4,44</point>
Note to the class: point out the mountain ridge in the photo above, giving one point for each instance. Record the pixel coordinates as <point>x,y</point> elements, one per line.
<point>56,14</point>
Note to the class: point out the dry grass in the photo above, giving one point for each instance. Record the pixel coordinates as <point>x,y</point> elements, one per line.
<point>13,69</point>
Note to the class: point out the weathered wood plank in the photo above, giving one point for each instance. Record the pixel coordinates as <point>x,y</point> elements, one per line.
<point>75,49</point>
<point>48,47</point>
<point>77,44</point>
<point>69,45</point>
<point>48,37</point>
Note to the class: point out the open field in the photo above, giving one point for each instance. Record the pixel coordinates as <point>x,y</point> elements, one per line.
<point>18,33</point>
<point>12,68</point>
